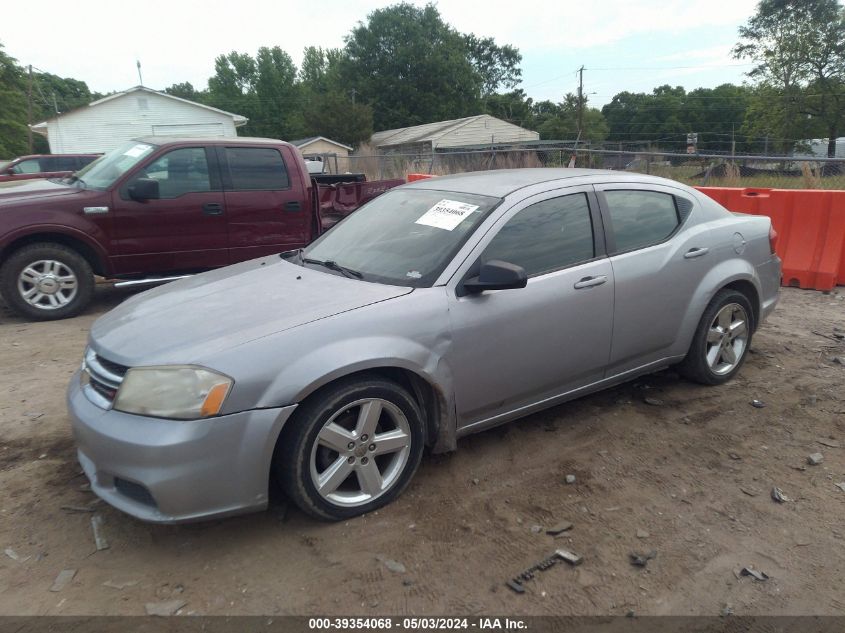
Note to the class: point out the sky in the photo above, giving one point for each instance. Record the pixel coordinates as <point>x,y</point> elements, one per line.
<point>632,45</point>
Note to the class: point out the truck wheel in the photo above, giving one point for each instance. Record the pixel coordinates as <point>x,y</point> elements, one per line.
<point>46,281</point>
<point>352,448</point>
<point>720,344</point>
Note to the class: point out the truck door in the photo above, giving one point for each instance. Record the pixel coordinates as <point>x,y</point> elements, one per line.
<point>267,206</point>
<point>185,229</point>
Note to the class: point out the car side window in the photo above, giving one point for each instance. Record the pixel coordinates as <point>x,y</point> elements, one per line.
<point>64,163</point>
<point>641,218</point>
<point>546,236</point>
<point>257,169</point>
<point>180,171</point>
<point>29,166</point>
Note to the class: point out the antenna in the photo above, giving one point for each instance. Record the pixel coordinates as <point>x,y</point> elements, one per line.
<point>140,79</point>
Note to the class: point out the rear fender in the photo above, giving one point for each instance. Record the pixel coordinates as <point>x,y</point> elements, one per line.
<point>724,274</point>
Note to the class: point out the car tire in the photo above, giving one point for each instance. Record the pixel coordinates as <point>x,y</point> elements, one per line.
<point>351,448</point>
<point>46,281</point>
<point>721,341</point>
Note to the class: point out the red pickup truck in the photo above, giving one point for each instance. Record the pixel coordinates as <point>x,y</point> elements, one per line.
<point>156,208</point>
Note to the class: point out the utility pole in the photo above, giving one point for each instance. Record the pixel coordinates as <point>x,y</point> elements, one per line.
<point>580,101</point>
<point>29,110</point>
<point>354,92</point>
<point>733,142</point>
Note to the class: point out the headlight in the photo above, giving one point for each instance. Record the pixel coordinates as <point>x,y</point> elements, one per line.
<point>181,392</point>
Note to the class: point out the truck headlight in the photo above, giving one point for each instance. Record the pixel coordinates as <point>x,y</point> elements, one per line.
<point>181,392</point>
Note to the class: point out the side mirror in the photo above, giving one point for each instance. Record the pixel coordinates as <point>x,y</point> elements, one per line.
<point>497,275</point>
<point>143,189</point>
<point>10,171</point>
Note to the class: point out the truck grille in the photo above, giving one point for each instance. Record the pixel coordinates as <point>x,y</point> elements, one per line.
<point>101,379</point>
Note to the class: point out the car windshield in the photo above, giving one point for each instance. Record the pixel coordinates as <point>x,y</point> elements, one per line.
<point>405,237</point>
<point>102,173</point>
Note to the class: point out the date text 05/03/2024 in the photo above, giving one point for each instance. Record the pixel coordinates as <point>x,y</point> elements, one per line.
<point>417,624</point>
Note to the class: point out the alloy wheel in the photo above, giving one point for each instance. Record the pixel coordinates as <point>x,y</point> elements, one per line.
<point>360,452</point>
<point>727,339</point>
<point>47,284</point>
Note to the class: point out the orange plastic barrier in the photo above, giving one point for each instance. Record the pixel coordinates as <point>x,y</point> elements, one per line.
<point>413,177</point>
<point>810,225</point>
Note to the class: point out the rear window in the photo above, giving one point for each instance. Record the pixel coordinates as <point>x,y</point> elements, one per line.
<point>257,168</point>
<point>641,218</point>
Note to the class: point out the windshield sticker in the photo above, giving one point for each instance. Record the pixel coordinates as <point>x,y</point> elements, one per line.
<point>447,214</point>
<point>136,150</point>
<point>413,274</point>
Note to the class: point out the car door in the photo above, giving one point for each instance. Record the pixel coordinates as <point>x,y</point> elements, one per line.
<point>515,348</point>
<point>185,229</point>
<point>659,257</point>
<point>264,202</point>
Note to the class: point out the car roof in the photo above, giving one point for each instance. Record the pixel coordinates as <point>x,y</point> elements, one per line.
<point>234,140</point>
<point>502,182</point>
<point>29,156</point>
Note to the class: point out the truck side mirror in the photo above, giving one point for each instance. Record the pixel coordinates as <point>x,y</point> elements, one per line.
<point>143,189</point>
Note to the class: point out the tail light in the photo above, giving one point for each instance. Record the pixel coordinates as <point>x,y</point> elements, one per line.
<point>773,239</point>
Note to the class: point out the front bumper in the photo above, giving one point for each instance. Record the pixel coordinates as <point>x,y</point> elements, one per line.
<point>173,471</point>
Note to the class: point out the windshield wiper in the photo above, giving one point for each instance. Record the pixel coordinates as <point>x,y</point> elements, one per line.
<point>332,265</point>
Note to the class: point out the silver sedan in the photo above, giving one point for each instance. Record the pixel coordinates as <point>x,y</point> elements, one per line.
<point>441,308</point>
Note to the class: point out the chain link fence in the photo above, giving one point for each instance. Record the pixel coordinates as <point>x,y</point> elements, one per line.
<point>693,169</point>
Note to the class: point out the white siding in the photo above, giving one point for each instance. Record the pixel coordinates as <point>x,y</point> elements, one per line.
<point>475,130</point>
<point>104,126</point>
<point>206,130</point>
<point>486,129</point>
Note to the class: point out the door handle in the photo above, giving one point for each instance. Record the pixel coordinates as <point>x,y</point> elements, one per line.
<point>212,208</point>
<point>696,252</point>
<point>589,282</point>
<point>293,205</point>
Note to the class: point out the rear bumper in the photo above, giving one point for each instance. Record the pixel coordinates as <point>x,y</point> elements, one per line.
<point>169,471</point>
<point>769,275</point>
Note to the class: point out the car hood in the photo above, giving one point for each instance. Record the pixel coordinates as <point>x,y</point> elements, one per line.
<point>15,191</point>
<point>188,321</point>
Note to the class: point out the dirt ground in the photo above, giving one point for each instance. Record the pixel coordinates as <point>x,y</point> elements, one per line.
<point>690,478</point>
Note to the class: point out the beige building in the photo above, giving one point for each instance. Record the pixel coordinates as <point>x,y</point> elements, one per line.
<point>331,152</point>
<point>472,132</point>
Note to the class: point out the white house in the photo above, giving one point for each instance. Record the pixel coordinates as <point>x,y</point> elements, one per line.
<point>481,130</point>
<point>139,111</point>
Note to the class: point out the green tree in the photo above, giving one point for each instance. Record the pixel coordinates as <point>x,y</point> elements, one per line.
<point>186,90</point>
<point>498,66</point>
<point>560,121</point>
<point>513,106</point>
<point>333,115</point>
<point>13,130</point>
<point>412,67</point>
<point>264,89</point>
<point>658,117</point>
<point>278,109</point>
<point>328,108</point>
<point>664,117</point>
<point>798,47</point>
<point>232,88</point>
